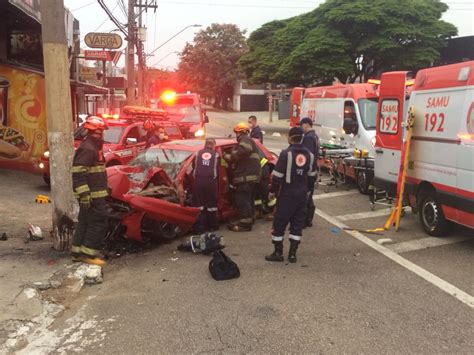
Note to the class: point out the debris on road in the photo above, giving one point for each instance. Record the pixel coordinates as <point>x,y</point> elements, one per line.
<point>384,241</point>
<point>34,233</point>
<point>89,274</point>
<point>42,199</point>
<point>335,230</point>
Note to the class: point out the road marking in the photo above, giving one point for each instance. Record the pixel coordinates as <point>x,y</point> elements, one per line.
<point>407,264</point>
<point>425,243</point>
<point>335,194</point>
<point>364,215</point>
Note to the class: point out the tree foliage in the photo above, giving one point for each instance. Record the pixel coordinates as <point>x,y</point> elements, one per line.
<point>209,65</point>
<point>348,40</point>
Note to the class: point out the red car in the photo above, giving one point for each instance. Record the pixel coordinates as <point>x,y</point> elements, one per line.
<point>123,141</point>
<point>157,187</point>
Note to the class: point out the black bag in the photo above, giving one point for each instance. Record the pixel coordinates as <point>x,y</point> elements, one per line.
<point>222,267</point>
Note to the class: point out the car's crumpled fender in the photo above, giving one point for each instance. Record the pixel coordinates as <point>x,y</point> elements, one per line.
<point>162,210</point>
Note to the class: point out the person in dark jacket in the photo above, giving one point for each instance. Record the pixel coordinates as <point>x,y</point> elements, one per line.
<point>310,142</point>
<point>206,178</point>
<point>256,131</point>
<point>90,188</point>
<point>245,177</point>
<point>292,180</point>
<point>154,134</point>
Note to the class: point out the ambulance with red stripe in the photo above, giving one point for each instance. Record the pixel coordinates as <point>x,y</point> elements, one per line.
<point>440,175</point>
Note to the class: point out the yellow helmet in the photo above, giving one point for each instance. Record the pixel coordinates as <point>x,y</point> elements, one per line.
<point>241,128</point>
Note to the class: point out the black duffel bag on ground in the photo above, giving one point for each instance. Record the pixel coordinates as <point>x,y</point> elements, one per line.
<point>222,267</point>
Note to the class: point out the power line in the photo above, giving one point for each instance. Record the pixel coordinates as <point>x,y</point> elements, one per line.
<point>238,5</point>
<point>120,26</point>
<point>81,7</point>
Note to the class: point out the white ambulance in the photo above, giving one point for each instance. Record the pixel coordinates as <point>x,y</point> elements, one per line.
<point>440,175</point>
<point>344,116</point>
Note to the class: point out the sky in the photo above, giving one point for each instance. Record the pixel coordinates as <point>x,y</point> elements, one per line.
<point>174,15</point>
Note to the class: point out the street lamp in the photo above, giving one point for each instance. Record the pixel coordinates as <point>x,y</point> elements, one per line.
<point>169,39</point>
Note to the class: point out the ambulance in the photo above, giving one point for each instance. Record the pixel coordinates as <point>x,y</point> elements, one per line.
<point>344,116</point>
<point>440,175</point>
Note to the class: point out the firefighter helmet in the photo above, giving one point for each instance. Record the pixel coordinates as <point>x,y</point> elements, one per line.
<point>94,123</point>
<point>241,127</point>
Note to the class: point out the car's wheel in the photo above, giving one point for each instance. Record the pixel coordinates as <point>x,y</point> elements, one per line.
<point>431,215</point>
<point>153,230</point>
<point>363,179</point>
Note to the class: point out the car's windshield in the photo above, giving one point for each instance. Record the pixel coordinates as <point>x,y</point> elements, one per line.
<point>168,159</point>
<point>111,135</point>
<point>368,112</point>
<point>184,113</point>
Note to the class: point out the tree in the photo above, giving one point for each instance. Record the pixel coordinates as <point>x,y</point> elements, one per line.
<point>209,65</point>
<point>348,40</point>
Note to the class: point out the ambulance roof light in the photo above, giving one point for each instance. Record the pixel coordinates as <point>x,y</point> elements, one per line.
<point>168,97</point>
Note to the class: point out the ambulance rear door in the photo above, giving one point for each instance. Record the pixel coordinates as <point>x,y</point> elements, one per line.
<point>389,138</point>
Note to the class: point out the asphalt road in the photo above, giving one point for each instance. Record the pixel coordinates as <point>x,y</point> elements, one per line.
<point>346,294</point>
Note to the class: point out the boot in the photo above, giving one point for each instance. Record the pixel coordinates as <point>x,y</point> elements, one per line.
<point>309,216</point>
<point>94,260</point>
<point>292,252</point>
<point>277,254</point>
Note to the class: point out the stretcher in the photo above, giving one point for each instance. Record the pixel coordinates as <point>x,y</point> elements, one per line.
<point>331,158</point>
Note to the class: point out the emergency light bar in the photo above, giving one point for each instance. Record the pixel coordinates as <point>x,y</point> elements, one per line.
<point>168,97</point>
<point>107,116</point>
<point>140,113</point>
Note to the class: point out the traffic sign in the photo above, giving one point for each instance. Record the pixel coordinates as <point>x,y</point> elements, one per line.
<point>103,40</point>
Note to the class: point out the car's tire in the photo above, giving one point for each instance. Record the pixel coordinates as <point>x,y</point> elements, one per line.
<point>431,215</point>
<point>153,230</point>
<point>363,180</point>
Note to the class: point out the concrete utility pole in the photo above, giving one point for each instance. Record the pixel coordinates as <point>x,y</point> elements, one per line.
<point>131,53</point>
<point>59,111</point>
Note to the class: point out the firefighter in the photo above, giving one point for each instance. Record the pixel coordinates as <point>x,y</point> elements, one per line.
<point>155,134</point>
<point>245,177</point>
<point>264,187</point>
<point>205,187</point>
<point>256,131</point>
<point>90,187</point>
<point>293,178</point>
<point>310,142</point>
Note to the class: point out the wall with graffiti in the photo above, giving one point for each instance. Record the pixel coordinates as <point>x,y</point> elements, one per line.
<point>23,131</point>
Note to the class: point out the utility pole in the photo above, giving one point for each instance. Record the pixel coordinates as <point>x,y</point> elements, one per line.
<point>131,53</point>
<point>140,55</point>
<point>58,108</point>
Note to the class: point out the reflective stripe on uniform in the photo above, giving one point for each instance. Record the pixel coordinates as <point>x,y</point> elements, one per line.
<point>99,194</point>
<point>255,156</point>
<point>89,251</point>
<point>216,158</point>
<point>311,171</point>
<point>272,202</point>
<point>289,162</point>
<point>224,163</point>
<point>97,169</point>
<point>250,178</point>
<point>258,202</point>
<point>295,237</point>
<point>212,209</point>
<point>246,145</point>
<point>79,169</point>
<point>263,161</point>
<point>81,189</point>
<point>76,249</point>
<point>276,238</point>
<point>277,174</point>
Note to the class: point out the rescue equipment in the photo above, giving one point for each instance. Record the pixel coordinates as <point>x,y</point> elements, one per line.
<point>42,199</point>
<point>222,267</point>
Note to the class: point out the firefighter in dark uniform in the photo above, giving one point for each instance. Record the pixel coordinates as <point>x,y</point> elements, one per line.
<point>245,177</point>
<point>310,142</point>
<point>90,187</point>
<point>205,187</point>
<point>293,178</point>
<point>155,134</point>
<point>256,131</point>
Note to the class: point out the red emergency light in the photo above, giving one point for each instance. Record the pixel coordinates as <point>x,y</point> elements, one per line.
<point>168,97</point>
<point>115,116</point>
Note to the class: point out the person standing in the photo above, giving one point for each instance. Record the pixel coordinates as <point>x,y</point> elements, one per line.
<point>205,187</point>
<point>293,178</point>
<point>90,187</point>
<point>310,142</point>
<point>245,177</point>
<point>256,131</point>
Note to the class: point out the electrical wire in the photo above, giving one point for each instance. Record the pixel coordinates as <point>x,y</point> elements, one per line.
<point>81,7</point>
<point>119,25</point>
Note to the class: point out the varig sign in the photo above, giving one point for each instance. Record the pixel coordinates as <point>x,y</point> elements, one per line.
<point>103,40</point>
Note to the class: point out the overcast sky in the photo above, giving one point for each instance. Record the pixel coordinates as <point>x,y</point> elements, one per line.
<point>174,15</point>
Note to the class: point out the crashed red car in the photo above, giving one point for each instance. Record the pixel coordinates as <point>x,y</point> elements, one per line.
<point>156,186</point>
<point>123,140</point>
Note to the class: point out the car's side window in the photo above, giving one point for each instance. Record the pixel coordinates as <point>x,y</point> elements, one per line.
<point>134,133</point>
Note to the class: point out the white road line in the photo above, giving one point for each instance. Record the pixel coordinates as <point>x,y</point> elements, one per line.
<point>407,264</point>
<point>364,215</point>
<point>425,243</point>
<point>335,194</point>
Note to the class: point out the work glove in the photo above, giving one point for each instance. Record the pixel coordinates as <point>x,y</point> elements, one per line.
<point>85,202</point>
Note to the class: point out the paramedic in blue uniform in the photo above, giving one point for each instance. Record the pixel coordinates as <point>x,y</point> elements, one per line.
<point>292,180</point>
<point>310,142</point>
<point>205,186</point>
